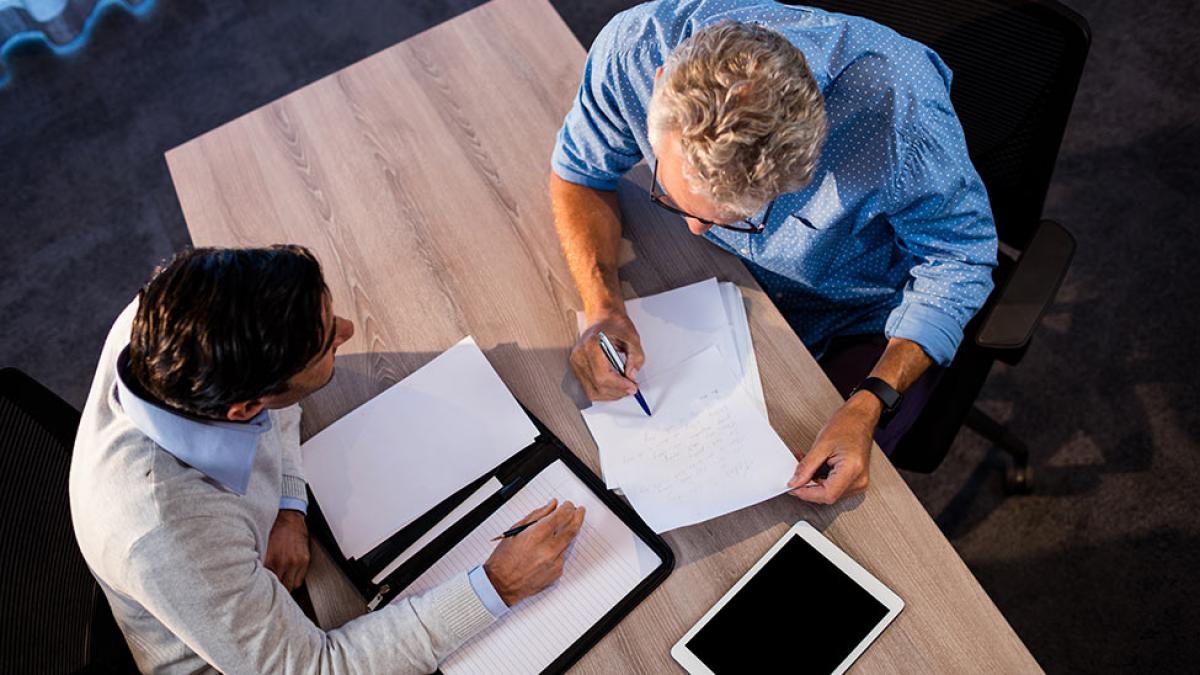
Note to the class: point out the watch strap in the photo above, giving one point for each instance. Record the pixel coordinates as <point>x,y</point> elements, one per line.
<point>888,396</point>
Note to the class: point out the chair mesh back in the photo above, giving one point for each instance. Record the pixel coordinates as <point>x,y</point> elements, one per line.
<point>46,591</point>
<point>1016,66</point>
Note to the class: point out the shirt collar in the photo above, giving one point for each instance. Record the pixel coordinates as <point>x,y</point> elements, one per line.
<point>223,451</point>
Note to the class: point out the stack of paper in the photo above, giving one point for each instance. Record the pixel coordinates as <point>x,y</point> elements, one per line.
<point>398,455</point>
<point>683,322</point>
<point>708,449</point>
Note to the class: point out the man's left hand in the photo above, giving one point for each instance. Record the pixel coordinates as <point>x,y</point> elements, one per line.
<point>844,443</point>
<point>287,548</point>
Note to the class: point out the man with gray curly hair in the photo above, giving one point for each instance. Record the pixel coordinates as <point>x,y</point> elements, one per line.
<point>742,143</point>
<point>823,150</point>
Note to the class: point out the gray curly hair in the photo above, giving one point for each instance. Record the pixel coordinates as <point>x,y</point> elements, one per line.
<point>750,116</point>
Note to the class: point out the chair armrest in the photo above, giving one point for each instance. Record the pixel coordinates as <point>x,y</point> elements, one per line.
<point>1029,290</point>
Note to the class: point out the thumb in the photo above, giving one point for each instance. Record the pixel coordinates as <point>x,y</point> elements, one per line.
<point>808,467</point>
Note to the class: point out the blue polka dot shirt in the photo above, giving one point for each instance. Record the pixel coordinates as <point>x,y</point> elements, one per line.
<point>894,233</point>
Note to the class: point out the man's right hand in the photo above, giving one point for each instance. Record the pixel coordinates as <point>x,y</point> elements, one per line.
<point>525,564</point>
<point>600,382</point>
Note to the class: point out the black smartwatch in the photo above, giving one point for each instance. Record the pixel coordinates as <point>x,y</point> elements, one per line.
<point>889,397</point>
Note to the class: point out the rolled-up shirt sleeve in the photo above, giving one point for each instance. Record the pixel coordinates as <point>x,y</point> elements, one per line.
<point>595,145</point>
<point>941,216</point>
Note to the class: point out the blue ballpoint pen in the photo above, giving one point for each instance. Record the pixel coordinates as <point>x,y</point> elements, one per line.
<point>618,364</point>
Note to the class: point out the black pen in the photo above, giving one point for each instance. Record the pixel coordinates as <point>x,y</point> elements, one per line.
<point>514,531</point>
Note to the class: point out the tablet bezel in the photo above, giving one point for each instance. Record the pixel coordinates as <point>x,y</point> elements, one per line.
<point>838,557</point>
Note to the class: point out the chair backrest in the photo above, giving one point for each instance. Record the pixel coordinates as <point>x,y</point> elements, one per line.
<point>1016,67</point>
<point>47,594</point>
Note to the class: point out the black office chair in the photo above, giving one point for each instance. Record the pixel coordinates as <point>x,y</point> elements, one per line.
<point>1016,67</point>
<point>55,617</point>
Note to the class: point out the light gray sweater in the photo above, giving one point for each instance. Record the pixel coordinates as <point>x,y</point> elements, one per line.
<point>180,558</point>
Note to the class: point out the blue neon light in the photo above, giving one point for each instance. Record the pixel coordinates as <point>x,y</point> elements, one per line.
<point>134,7</point>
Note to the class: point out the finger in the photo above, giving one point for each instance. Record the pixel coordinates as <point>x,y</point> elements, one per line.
<point>808,466</point>
<point>566,533</point>
<point>610,392</point>
<point>551,523</point>
<point>839,481</point>
<point>610,386</point>
<point>859,485</point>
<point>629,343</point>
<point>635,358</point>
<point>548,524</point>
<point>301,572</point>
<point>589,386</point>
<point>607,380</point>
<point>293,578</point>
<point>583,373</point>
<point>301,569</point>
<point>282,575</point>
<point>538,513</point>
<point>816,494</point>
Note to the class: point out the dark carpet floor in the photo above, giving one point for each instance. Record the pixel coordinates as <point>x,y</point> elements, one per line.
<point>1097,571</point>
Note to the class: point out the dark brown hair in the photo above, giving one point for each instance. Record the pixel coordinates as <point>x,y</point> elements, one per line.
<point>216,326</point>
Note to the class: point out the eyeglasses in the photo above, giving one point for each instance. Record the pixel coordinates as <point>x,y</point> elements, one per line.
<point>745,225</point>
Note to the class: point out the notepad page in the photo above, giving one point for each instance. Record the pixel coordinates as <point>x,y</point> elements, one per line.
<point>605,563</point>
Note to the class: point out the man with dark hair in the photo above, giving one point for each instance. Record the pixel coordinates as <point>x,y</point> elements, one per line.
<point>188,497</point>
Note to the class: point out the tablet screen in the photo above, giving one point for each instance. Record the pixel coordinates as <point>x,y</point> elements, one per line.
<point>799,612</point>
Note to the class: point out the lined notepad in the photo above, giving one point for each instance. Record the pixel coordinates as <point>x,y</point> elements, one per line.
<point>605,563</point>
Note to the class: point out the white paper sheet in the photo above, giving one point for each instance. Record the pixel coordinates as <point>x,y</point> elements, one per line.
<point>678,324</point>
<point>706,451</point>
<point>605,563</point>
<point>735,307</point>
<point>489,488</point>
<point>446,424</point>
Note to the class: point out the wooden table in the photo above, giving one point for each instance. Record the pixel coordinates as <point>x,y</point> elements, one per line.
<point>418,176</point>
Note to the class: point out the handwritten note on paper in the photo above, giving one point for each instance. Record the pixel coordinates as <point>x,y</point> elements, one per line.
<point>706,451</point>
<point>606,561</point>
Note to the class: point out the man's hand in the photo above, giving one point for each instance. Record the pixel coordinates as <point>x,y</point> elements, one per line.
<point>287,548</point>
<point>525,564</point>
<point>845,444</point>
<point>600,382</point>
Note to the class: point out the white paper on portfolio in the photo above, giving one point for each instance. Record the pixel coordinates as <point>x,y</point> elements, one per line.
<point>398,455</point>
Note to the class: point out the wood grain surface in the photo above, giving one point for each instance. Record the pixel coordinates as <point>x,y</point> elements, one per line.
<point>418,176</point>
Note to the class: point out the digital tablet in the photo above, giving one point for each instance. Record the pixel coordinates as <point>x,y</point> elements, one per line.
<point>805,607</point>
